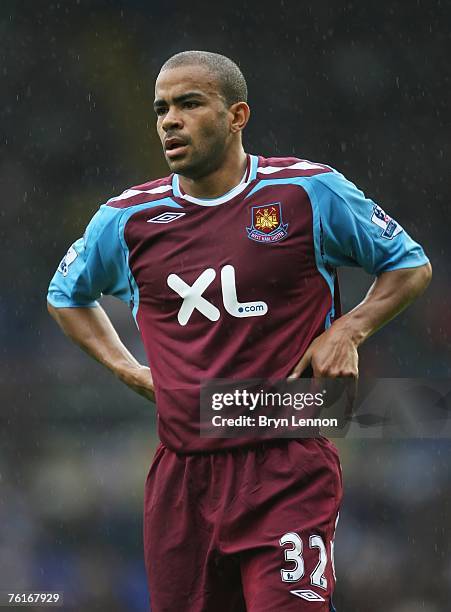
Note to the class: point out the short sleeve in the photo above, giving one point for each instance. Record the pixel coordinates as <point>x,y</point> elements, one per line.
<point>94,265</point>
<point>355,231</point>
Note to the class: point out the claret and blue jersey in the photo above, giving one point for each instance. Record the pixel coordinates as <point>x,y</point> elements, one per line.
<point>233,287</point>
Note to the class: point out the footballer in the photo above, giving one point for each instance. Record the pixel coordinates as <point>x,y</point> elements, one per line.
<point>229,267</point>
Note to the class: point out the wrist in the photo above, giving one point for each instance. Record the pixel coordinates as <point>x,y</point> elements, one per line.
<point>351,329</point>
<point>125,370</point>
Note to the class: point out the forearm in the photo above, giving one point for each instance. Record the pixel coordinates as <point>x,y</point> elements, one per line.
<point>334,353</point>
<point>93,331</point>
<point>388,296</point>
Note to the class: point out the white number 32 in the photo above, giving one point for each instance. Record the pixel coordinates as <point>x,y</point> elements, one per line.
<point>294,554</point>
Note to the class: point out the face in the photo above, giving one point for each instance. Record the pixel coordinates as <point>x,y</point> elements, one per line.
<point>193,121</point>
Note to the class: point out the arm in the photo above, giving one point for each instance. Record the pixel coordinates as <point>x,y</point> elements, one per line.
<point>93,331</point>
<point>352,230</point>
<point>334,352</point>
<point>96,264</point>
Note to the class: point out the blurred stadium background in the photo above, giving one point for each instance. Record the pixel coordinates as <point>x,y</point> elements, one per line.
<point>362,86</point>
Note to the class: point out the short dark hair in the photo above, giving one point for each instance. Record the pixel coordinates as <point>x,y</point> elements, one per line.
<point>231,80</point>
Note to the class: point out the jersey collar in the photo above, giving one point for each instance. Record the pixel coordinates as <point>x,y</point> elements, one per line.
<point>250,175</point>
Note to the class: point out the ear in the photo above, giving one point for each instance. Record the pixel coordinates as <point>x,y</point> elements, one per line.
<point>239,113</point>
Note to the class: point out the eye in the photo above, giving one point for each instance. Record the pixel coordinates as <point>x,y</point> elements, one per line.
<point>190,104</point>
<point>160,111</point>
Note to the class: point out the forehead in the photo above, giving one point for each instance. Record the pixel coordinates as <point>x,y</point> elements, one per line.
<point>175,82</point>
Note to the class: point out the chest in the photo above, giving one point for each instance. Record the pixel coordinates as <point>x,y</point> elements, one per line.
<point>245,250</point>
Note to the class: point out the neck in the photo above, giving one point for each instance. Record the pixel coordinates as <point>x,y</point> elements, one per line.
<point>218,182</point>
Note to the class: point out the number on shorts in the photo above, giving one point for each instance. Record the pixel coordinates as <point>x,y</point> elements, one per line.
<point>317,577</point>
<point>294,554</point>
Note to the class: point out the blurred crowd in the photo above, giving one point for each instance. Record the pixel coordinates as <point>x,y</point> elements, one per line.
<point>362,87</point>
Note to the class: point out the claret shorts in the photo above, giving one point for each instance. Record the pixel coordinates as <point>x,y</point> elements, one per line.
<point>248,529</point>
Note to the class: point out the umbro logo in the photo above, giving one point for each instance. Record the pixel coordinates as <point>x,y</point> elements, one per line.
<point>166,217</point>
<point>308,595</point>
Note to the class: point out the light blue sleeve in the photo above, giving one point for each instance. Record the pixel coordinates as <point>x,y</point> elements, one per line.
<point>355,231</point>
<point>94,265</point>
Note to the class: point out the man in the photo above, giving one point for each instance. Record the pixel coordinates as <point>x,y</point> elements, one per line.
<point>233,524</point>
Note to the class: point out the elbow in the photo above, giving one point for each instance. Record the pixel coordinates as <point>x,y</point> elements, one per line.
<point>426,275</point>
<point>421,279</point>
<point>51,310</point>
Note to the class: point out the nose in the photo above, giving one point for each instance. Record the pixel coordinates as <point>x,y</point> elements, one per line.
<point>171,120</point>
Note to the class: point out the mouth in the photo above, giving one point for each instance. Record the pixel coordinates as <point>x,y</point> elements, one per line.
<point>174,147</point>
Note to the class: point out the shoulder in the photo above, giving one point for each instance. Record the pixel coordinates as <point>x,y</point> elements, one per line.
<point>327,188</point>
<point>321,181</point>
<point>289,167</point>
<point>111,216</point>
<point>150,191</point>
<point>324,180</point>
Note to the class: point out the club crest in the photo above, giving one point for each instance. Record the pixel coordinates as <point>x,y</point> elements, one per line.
<point>266,223</point>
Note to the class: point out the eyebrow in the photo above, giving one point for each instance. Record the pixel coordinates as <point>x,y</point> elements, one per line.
<point>178,99</point>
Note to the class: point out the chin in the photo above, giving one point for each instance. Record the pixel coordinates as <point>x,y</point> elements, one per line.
<point>177,165</point>
<point>184,168</point>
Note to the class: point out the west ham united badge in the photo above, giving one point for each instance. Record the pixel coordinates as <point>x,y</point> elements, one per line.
<point>267,224</point>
